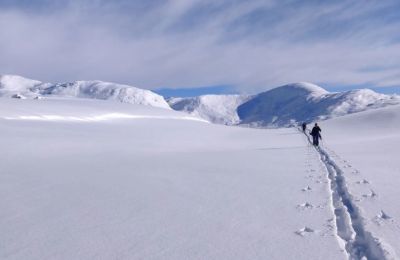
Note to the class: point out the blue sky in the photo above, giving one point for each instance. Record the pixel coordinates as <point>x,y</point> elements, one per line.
<point>201,45</point>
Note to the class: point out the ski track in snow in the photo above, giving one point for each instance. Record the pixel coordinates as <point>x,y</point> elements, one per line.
<point>357,242</point>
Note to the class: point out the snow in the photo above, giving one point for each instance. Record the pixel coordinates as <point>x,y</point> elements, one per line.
<point>11,84</point>
<point>366,147</point>
<point>81,178</point>
<point>312,90</point>
<point>150,187</point>
<point>360,100</point>
<point>19,87</point>
<point>284,106</point>
<point>219,109</point>
<point>293,104</point>
<point>106,91</point>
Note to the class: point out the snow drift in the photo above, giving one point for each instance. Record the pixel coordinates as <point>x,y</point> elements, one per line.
<point>19,87</point>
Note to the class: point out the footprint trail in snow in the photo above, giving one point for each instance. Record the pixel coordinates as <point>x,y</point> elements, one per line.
<point>357,242</point>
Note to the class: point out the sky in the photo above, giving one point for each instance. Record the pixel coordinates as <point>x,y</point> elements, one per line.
<point>233,46</point>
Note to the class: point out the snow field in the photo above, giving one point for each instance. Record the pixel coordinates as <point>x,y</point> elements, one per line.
<point>156,189</point>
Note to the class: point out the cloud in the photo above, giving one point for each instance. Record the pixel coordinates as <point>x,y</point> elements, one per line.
<point>252,45</point>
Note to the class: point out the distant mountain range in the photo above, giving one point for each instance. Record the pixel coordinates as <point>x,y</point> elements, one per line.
<point>283,106</point>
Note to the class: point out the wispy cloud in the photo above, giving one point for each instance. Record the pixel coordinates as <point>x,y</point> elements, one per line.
<point>252,45</point>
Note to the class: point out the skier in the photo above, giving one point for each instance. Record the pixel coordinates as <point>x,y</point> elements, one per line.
<point>304,127</point>
<point>315,133</point>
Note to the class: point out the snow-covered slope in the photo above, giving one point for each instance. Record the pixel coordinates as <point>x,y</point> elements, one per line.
<point>220,109</point>
<point>16,86</point>
<point>359,100</point>
<point>365,147</point>
<point>282,105</point>
<point>304,102</point>
<point>85,179</point>
<point>13,86</point>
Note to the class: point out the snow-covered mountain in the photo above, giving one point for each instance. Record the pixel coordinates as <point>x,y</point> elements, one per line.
<point>305,102</point>
<point>19,87</point>
<point>220,109</point>
<point>282,106</point>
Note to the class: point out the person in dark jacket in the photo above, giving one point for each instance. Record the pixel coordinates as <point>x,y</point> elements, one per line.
<point>316,134</point>
<point>304,127</point>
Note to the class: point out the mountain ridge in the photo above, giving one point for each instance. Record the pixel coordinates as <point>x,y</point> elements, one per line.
<point>283,106</point>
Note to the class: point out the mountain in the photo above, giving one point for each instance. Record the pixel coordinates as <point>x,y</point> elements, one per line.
<point>13,86</point>
<point>220,109</point>
<point>305,102</point>
<point>283,106</point>
<point>19,87</point>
